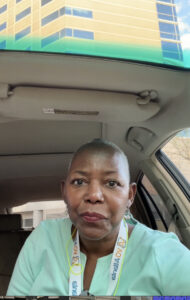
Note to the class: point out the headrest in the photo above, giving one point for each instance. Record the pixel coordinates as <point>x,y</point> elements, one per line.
<point>10,222</point>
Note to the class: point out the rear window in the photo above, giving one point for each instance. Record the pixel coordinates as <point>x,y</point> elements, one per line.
<point>35,212</point>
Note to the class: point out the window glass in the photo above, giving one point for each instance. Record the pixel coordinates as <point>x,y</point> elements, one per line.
<point>3,26</point>
<point>27,223</point>
<point>169,36</point>
<point>178,151</point>
<point>3,45</point>
<point>23,14</point>
<point>169,46</point>
<point>50,18</point>
<point>168,1</point>
<point>22,33</point>
<point>65,32</point>
<point>83,34</point>
<point>173,55</point>
<point>50,39</point>
<point>164,9</point>
<point>167,27</point>
<point>17,1</point>
<point>167,17</point>
<point>44,2</point>
<point>3,8</point>
<point>66,11</point>
<point>35,212</point>
<point>159,203</point>
<point>82,13</point>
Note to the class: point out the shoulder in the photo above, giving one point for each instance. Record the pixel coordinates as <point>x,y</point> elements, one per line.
<point>168,252</point>
<point>159,243</point>
<point>151,236</point>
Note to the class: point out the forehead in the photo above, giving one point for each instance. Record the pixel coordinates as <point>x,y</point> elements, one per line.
<point>99,159</point>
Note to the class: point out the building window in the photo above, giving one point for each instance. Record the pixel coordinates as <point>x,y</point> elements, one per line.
<point>44,2</point>
<point>172,50</point>
<point>167,27</point>
<point>50,17</point>
<point>82,13</point>
<point>65,32</point>
<point>167,1</point>
<point>83,34</point>
<point>168,46</point>
<point>2,45</point>
<point>3,26</point>
<point>164,9</point>
<point>169,31</point>
<point>167,17</point>
<point>17,1</point>
<point>50,39</point>
<point>23,14</point>
<point>22,33</point>
<point>3,8</point>
<point>27,223</point>
<point>66,11</point>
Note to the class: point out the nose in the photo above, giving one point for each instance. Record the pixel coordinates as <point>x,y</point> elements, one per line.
<point>94,193</point>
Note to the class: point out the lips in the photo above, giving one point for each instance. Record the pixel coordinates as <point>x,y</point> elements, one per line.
<point>92,216</point>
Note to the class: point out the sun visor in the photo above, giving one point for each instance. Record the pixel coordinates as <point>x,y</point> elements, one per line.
<point>81,105</point>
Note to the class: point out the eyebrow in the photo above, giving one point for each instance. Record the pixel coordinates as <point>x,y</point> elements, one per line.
<point>85,173</point>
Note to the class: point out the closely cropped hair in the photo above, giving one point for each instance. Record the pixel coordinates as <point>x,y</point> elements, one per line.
<point>101,145</point>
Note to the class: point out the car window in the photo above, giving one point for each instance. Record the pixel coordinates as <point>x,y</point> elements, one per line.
<point>35,212</point>
<point>158,208</point>
<point>178,151</point>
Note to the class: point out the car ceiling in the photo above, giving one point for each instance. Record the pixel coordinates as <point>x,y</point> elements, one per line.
<point>36,149</point>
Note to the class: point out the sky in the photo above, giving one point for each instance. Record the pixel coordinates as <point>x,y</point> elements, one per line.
<point>183,13</point>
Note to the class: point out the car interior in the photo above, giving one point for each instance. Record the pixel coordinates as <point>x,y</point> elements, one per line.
<point>50,104</point>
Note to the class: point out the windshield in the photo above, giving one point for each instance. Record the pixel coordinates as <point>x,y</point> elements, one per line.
<point>141,30</point>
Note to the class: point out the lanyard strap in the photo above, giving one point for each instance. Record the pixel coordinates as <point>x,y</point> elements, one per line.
<point>76,268</point>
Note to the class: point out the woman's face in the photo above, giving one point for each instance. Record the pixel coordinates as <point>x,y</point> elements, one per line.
<point>97,193</point>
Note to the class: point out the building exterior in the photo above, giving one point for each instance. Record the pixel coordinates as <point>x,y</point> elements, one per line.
<point>35,212</point>
<point>142,25</point>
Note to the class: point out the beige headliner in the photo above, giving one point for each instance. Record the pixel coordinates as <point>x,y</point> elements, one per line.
<point>37,151</point>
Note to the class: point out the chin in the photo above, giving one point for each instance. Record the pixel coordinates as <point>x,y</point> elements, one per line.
<point>93,235</point>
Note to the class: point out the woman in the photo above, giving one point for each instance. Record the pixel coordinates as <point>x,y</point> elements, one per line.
<point>96,251</point>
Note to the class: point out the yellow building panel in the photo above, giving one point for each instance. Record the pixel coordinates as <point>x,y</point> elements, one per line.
<point>127,40</point>
<point>22,24</point>
<point>36,17</point>
<point>11,30</point>
<point>19,7</point>
<point>11,16</point>
<point>35,27</point>
<point>126,20</point>
<point>101,26</point>
<point>3,2</point>
<point>4,18</point>
<point>134,8</point>
<point>141,4</point>
<point>51,7</point>
<point>49,29</point>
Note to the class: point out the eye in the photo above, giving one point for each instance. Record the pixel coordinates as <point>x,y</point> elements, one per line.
<point>112,183</point>
<point>77,182</point>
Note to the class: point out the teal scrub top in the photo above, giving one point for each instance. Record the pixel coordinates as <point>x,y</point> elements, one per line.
<point>155,263</point>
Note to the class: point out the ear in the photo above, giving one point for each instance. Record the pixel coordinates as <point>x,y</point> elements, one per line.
<point>132,193</point>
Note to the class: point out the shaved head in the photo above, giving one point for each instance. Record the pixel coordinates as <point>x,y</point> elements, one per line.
<point>101,146</point>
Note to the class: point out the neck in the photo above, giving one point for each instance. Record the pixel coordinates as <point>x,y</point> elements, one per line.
<point>101,247</point>
<point>98,248</point>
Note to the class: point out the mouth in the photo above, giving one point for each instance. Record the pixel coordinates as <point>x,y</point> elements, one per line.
<point>92,217</point>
